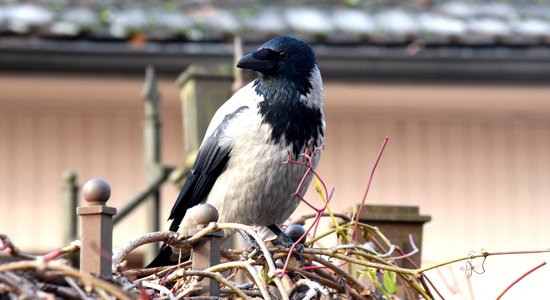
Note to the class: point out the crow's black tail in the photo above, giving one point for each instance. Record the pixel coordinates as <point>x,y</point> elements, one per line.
<point>167,258</point>
<point>163,258</point>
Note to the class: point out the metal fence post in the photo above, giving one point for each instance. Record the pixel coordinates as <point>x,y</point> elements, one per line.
<point>96,228</point>
<point>69,198</point>
<point>206,252</point>
<point>152,154</point>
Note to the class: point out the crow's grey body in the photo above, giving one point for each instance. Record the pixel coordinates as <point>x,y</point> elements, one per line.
<point>257,186</point>
<point>240,167</point>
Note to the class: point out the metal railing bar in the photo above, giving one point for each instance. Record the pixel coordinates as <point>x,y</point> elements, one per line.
<point>142,196</point>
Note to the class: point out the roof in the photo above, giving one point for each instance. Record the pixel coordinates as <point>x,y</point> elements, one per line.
<point>103,33</point>
<point>472,22</point>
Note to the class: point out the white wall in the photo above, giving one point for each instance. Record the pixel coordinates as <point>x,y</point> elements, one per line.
<point>475,158</point>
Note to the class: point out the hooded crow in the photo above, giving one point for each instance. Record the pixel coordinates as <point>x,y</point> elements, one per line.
<point>240,167</point>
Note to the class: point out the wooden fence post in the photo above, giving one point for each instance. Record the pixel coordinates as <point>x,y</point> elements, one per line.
<point>96,228</point>
<point>397,223</point>
<point>202,91</point>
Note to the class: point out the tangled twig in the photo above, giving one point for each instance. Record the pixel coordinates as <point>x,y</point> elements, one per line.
<point>57,265</point>
<point>321,267</point>
<point>13,250</point>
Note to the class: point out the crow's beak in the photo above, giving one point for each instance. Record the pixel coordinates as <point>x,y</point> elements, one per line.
<point>252,62</point>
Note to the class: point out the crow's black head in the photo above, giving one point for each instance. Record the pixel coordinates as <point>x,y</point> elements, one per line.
<point>290,87</point>
<point>285,57</point>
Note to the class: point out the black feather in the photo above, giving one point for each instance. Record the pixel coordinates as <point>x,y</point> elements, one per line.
<point>289,117</point>
<point>296,67</point>
<point>164,258</point>
<point>210,163</point>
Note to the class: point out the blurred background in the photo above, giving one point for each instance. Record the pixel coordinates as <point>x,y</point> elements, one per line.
<point>461,88</point>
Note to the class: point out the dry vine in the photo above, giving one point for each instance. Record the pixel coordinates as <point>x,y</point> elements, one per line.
<point>319,274</point>
<point>269,272</point>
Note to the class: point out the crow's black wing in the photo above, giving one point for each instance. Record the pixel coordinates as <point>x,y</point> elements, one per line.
<point>210,163</point>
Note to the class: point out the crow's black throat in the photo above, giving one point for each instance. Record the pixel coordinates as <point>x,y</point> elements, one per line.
<point>289,117</point>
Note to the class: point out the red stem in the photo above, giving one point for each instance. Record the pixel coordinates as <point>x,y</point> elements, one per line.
<point>308,155</point>
<point>354,234</point>
<point>520,278</point>
<point>53,255</point>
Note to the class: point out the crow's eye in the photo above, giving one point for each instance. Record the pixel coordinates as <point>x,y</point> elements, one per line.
<point>283,56</point>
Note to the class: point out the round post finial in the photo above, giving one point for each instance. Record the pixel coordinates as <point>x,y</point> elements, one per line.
<point>203,214</point>
<point>96,191</point>
<point>197,217</point>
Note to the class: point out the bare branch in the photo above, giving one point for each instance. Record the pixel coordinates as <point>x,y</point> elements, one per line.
<point>160,236</point>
